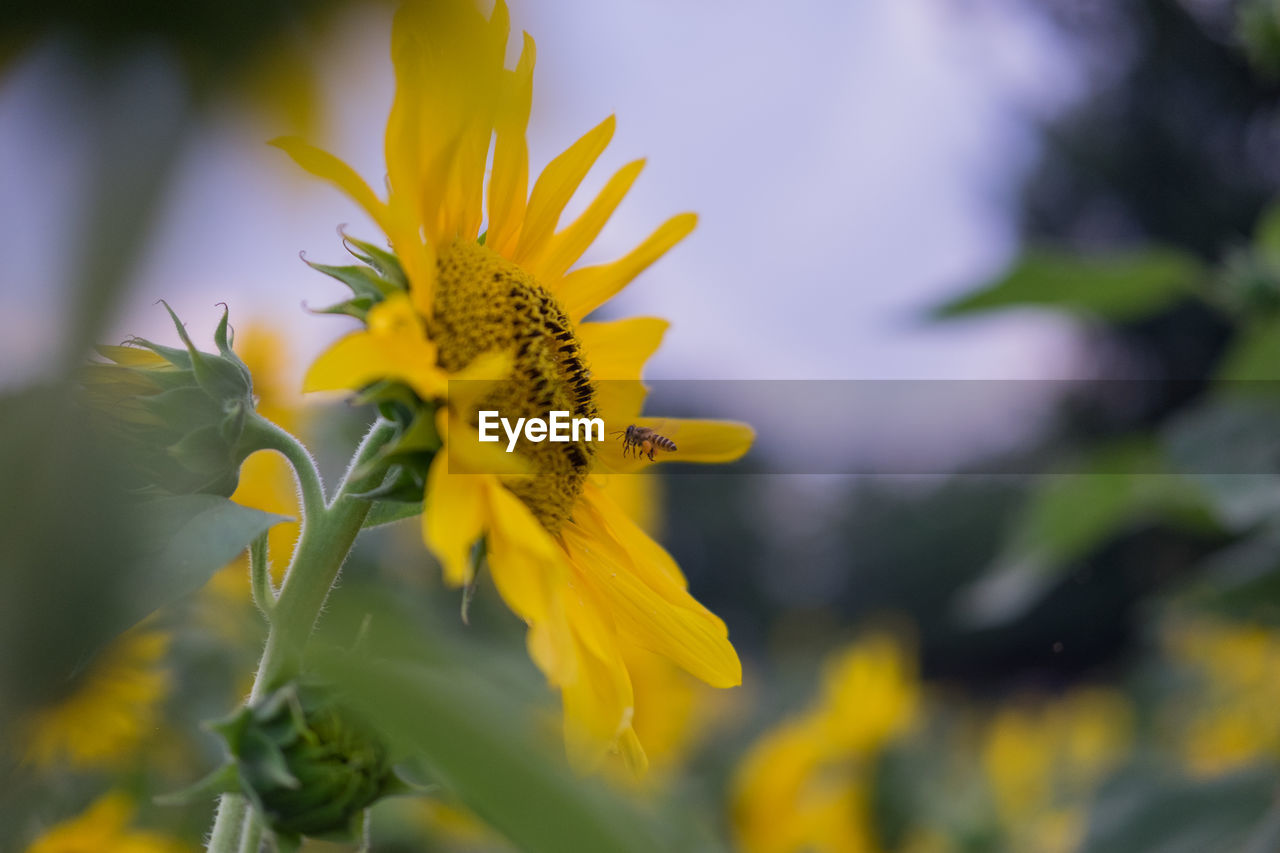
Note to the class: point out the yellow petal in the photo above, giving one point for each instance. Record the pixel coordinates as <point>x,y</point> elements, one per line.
<point>448,67</point>
<point>509,180</point>
<point>453,519</point>
<point>598,704</point>
<point>470,384</point>
<point>686,632</point>
<point>466,202</point>
<point>324,165</point>
<point>564,249</point>
<point>616,353</point>
<point>466,453</point>
<point>353,362</point>
<point>133,356</point>
<point>585,290</point>
<point>393,347</point>
<point>597,710</point>
<point>556,185</point>
<point>619,349</point>
<point>700,441</point>
<point>463,203</point>
<point>633,754</point>
<point>602,517</point>
<point>638,496</point>
<point>527,565</point>
<point>553,648</point>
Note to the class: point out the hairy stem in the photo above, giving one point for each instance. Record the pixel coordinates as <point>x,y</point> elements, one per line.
<point>264,594</point>
<point>224,838</point>
<point>262,433</point>
<point>328,532</point>
<point>251,838</point>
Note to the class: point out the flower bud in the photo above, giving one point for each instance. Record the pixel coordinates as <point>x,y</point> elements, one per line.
<point>178,414</point>
<point>307,766</point>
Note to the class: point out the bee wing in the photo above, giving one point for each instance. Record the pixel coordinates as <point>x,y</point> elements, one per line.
<point>666,427</point>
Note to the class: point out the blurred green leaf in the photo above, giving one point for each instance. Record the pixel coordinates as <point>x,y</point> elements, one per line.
<point>1118,286</point>
<point>1126,485</point>
<point>1266,835</point>
<point>1157,812</point>
<point>1231,448</point>
<point>1267,233</point>
<point>448,707</point>
<point>1254,355</point>
<point>192,536</point>
<point>1243,580</point>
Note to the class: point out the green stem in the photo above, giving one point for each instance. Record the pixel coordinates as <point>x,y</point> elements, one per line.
<point>251,838</point>
<point>232,809</point>
<point>264,594</point>
<point>328,532</point>
<point>260,433</point>
<point>319,556</point>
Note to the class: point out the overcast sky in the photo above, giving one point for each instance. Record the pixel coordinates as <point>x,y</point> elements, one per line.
<point>852,163</point>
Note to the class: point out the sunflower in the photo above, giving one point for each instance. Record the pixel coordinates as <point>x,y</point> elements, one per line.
<point>507,306</point>
<point>109,708</point>
<point>808,783</point>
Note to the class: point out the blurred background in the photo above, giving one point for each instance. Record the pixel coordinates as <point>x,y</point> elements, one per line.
<point>1058,193</point>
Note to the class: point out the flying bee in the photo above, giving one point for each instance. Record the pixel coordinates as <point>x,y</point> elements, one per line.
<point>642,441</point>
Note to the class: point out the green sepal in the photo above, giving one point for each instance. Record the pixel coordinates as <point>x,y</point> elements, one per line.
<point>386,263</point>
<point>390,511</point>
<point>179,358</point>
<point>224,339</point>
<point>362,280</point>
<point>203,451</point>
<point>183,410</point>
<point>388,391</point>
<point>305,765</point>
<point>235,413</point>
<point>402,486</point>
<point>420,435</point>
<point>358,308</point>
<point>166,380</point>
<point>224,780</point>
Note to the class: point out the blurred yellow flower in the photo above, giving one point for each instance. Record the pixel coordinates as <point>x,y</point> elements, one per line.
<point>108,710</point>
<point>266,480</point>
<point>104,828</point>
<point>1228,718</point>
<point>805,785</point>
<point>1043,760</point>
<point>589,582</point>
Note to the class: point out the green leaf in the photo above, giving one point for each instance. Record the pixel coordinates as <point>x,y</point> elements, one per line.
<point>1157,812</point>
<point>1119,487</point>
<point>389,512</point>
<point>191,536</point>
<point>1254,355</point>
<point>1230,447</point>
<point>1242,581</point>
<point>1118,286</point>
<point>1267,234</point>
<point>1265,837</point>
<point>451,707</point>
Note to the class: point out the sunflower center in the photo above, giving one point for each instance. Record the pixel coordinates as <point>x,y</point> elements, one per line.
<point>485,303</point>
